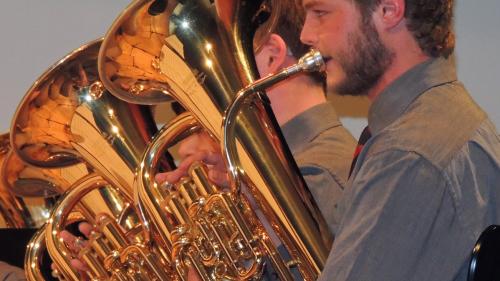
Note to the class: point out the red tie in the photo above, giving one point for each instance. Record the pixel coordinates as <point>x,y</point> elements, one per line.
<point>365,136</point>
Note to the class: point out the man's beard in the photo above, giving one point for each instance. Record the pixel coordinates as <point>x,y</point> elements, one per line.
<point>365,63</point>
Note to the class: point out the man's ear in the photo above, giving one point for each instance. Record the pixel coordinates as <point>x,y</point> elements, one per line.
<point>272,56</point>
<point>390,13</point>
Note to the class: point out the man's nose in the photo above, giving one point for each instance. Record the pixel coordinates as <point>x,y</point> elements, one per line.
<point>308,36</point>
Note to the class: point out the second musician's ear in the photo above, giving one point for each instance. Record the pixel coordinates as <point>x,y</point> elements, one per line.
<point>271,57</point>
<point>390,13</point>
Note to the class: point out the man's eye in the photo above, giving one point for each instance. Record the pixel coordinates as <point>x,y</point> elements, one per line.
<point>319,13</point>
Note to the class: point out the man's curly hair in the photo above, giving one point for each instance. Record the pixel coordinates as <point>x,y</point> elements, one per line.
<point>430,21</point>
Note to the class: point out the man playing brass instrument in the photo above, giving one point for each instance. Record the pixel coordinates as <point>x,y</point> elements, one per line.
<point>300,106</point>
<point>309,123</point>
<point>426,183</point>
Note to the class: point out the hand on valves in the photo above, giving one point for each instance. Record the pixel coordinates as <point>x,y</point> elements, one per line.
<point>75,244</point>
<point>199,147</point>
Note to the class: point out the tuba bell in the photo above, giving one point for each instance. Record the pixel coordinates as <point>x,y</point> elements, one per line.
<point>200,53</point>
<point>68,119</point>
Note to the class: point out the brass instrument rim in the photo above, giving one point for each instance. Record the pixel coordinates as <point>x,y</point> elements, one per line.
<point>4,143</point>
<point>50,189</point>
<point>21,110</point>
<point>125,15</point>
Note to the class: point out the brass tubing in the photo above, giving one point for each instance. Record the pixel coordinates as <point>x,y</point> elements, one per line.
<point>100,245</point>
<point>178,208</point>
<point>146,185</point>
<point>57,249</point>
<point>34,251</point>
<point>152,261</point>
<point>112,231</point>
<point>198,173</point>
<point>94,263</point>
<point>187,191</point>
<point>303,225</point>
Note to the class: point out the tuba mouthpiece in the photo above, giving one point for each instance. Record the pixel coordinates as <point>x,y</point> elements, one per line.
<point>312,61</point>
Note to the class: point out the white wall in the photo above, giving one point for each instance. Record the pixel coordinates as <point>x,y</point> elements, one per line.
<point>478,44</point>
<point>35,34</point>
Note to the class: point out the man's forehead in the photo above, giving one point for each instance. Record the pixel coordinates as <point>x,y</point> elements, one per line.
<point>308,4</point>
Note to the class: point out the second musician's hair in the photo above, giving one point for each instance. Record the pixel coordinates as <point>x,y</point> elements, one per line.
<point>289,26</point>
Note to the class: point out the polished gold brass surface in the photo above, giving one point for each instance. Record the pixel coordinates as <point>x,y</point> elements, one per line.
<point>149,193</point>
<point>130,56</point>
<point>310,62</point>
<point>202,226</point>
<point>115,250</point>
<point>94,199</point>
<point>10,208</point>
<point>29,181</point>
<point>112,250</point>
<point>33,190</point>
<point>28,209</point>
<point>34,253</point>
<point>200,53</point>
<point>67,117</point>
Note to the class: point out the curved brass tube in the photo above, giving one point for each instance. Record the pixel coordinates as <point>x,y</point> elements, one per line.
<point>194,211</point>
<point>58,250</point>
<point>308,238</point>
<point>310,62</point>
<point>147,190</point>
<point>34,252</point>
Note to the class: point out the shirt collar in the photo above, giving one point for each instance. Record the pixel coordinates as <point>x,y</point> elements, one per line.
<point>396,98</point>
<point>304,127</point>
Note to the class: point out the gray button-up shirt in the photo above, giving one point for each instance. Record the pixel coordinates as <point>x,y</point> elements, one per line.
<point>315,138</point>
<point>323,150</point>
<point>425,185</point>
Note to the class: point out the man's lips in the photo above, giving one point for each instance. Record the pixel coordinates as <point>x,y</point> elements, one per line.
<point>326,60</point>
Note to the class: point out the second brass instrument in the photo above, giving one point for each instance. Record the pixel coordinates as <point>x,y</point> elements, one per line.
<point>67,117</point>
<point>200,53</point>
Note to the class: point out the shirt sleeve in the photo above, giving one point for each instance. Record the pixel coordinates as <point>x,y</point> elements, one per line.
<point>326,191</point>
<point>11,273</point>
<point>397,200</point>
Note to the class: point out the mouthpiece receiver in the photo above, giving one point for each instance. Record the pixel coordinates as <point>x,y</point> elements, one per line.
<point>312,61</point>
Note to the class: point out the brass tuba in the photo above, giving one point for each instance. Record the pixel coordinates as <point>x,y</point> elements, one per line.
<point>67,117</point>
<point>200,53</point>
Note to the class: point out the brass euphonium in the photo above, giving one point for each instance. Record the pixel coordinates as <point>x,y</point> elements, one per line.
<point>67,117</point>
<point>200,53</point>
